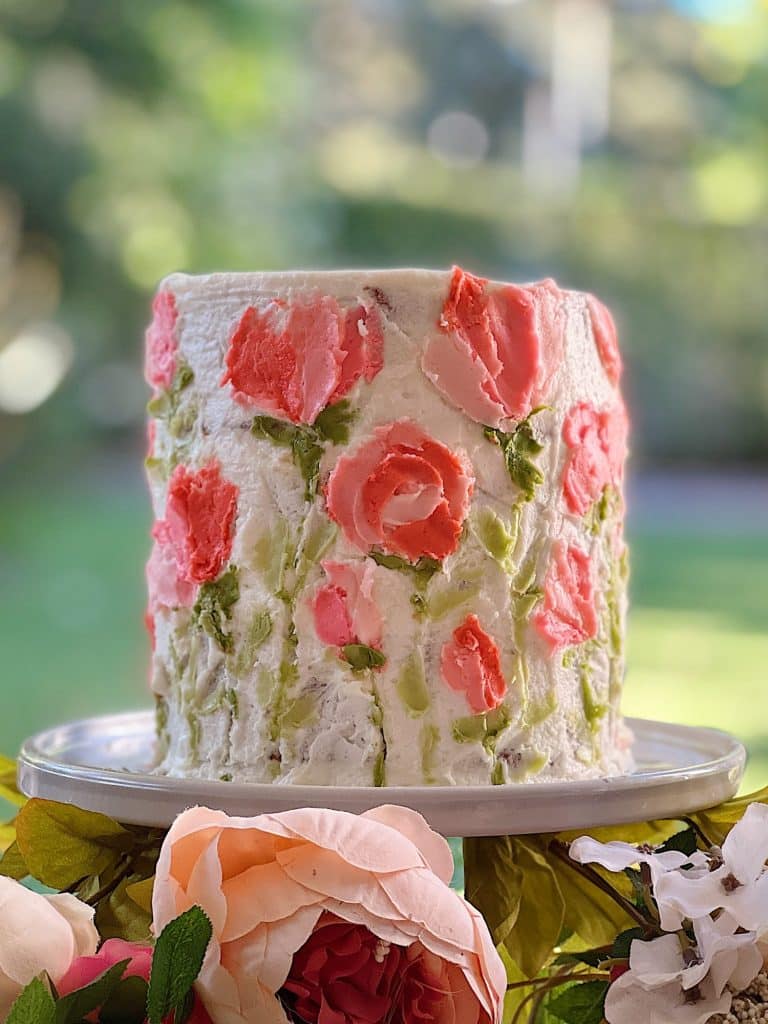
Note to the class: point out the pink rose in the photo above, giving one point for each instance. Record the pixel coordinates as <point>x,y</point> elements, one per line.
<point>498,349</point>
<point>200,511</point>
<point>292,360</point>
<point>469,663</point>
<point>269,884</point>
<point>606,338</point>
<point>87,969</point>
<point>166,587</point>
<point>39,933</point>
<point>161,343</point>
<point>344,609</point>
<point>597,440</point>
<point>568,615</point>
<point>401,491</point>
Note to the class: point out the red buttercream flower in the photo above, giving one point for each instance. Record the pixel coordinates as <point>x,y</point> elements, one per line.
<point>402,491</point>
<point>497,350</point>
<point>344,974</point>
<point>344,609</point>
<point>606,338</point>
<point>87,969</point>
<point>568,615</point>
<point>597,440</point>
<point>200,512</point>
<point>161,342</point>
<point>292,360</point>
<point>469,663</point>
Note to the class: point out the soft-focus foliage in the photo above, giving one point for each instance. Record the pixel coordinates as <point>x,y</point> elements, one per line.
<point>621,147</point>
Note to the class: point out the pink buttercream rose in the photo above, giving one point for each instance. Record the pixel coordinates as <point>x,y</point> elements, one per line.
<point>597,442</point>
<point>469,663</point>
<point>271,883</point>
<point>568,615</point>
<point>293,359</point>
<point>39,933</point>
<point>606,338</point>
<point>498,348</point>
<point>344,608</point>
<point>87,969</point>
<point>160,341</point>
<point>401,491</point>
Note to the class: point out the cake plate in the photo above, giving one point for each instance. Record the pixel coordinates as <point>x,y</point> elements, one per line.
<point>101,764</point>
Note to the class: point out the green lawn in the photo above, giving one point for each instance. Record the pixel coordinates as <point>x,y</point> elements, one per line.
<point>72,641</point>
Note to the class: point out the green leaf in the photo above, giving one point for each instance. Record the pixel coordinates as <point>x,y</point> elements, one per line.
<point>62,844</point>
<point>271,429</point>
<point>120,916</point>
<point>623,941</point>
<point>493,882</point>
<point>717,822</point>
<point>361,657</point>
<point>141,893</point>
<point>12,864</point>
<point>304,443</point>
<point>590,913</point>
<point>127,1003</point>
<point>176,963</point>
<point>541,914</point>
<point>74,1007</point>
<point>34,1005</point>
<point>580,1004</point>
<point>8,789</point>
<point>422,571</point>
<point>683,842</point>
<point>519,448</point>
<point>334,422</point>
<point>214,604</point>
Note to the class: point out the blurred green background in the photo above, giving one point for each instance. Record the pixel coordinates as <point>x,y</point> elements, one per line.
<point>621,147</point>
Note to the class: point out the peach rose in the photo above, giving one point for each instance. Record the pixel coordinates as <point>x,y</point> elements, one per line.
<point>498,349</point>
<point>284,891</point>
<point>568,615</point>
<point>344,609</point>
<point>292,360</point>
<point>39,933</point>
<point>401,491</point>
<point>160,341</point>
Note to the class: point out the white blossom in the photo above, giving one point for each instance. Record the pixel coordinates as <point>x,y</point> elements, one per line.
<point>616,856</point>
<point>735,882</point>
<point>629,1002</point>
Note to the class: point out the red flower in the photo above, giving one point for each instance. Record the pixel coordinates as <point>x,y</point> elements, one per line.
<point>344,608</point>
<point>292,360</point>
<point>498,349</point>
<point>344,974</point>
<point>402,491</point>
<point>598,446</point>
<point>606,338</point>
<point>470,664</point>
<point>160,341</point>
<point>87,969</point>
<point>568,615</point>
<point>200,513</point>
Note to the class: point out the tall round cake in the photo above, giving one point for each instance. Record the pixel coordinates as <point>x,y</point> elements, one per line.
<point>388,529</point>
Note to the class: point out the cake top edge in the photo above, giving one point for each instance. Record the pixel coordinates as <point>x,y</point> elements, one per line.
<point>269,280</point>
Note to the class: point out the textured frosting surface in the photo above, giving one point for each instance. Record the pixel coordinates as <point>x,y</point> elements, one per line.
<point>388,540</point>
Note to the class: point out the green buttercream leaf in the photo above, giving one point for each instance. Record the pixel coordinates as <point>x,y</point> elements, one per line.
<point>361,657</point>
<point>258,633</point>
<point>520,448</point>
<point>334,422</point>
<point>165,405</point>
<point>411,685</point>
<point>483,728</point>
<point>304,443</point>
<point>422,571</point>
<point>214,604</point>
<point>495,535</point>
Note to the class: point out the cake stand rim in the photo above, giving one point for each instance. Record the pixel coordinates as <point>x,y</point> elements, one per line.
<point>513,809</point>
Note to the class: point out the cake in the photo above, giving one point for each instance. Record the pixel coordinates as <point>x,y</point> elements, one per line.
<point>387,547</point>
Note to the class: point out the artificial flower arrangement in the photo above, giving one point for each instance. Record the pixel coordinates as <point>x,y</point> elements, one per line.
<point>323,917</point>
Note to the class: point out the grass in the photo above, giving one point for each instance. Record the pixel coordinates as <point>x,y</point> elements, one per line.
<point>72,641</point>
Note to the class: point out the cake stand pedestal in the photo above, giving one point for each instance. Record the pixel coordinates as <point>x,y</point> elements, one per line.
<point>101,764</point>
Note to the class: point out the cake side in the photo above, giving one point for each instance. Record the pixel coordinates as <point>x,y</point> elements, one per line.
<point>388,542</point>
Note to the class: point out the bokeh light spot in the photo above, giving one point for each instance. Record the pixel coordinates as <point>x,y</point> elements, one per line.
<point>32,366</point>
<point>458,138</point>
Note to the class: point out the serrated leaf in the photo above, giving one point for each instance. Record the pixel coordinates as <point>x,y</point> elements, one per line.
<point>176,963</point>
<point>62,844</point>
<point>334,422</point>
<point>362,657</point>
<point>72,1008</point>
<point>683,842</point>
<point>126,1004</point>
<point>580,1004</point>
<point>34,1005</point>
<point>12,864</point>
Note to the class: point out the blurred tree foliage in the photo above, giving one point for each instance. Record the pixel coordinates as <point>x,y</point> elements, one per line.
<point>139,137</point>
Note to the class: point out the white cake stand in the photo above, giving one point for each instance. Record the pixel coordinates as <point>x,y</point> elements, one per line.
<point>100,764</point>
